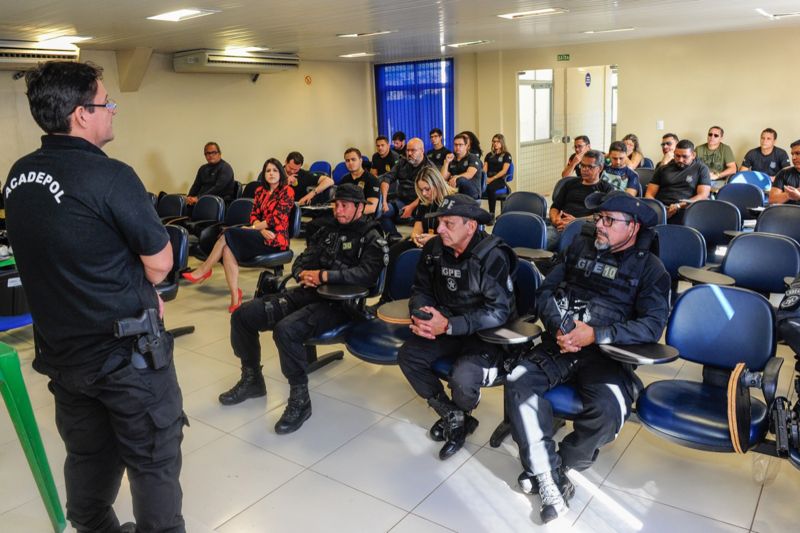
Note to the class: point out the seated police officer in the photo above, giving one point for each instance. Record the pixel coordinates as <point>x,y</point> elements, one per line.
<point>402,178</point>
<point>347,249</point>
<point>609,288</point>
<point>463,282</point>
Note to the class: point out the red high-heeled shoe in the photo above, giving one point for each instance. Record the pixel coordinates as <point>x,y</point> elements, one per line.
<point>234,307</point>
<point>188,276</point>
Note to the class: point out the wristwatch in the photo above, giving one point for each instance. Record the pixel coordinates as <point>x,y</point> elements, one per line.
<point>449,330</point>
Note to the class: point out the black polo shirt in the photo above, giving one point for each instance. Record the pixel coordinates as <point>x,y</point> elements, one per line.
<point>78,221</point>
<point>367,182</point>
<point>675,183</point>
<point>788,176</point>
<point>494,162</point>
<point>456,167</point>
<point>573,193</point>
<point>437,156</point>
<point>384,164</point>
<point>768,164</point>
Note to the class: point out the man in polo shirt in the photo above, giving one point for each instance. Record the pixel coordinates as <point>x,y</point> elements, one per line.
<point>718,157</point>
<point>678,183</point>
<point>786,187</point>
<point>767,157</point>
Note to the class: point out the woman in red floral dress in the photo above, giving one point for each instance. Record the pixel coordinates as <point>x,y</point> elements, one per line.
<point>268,231</point>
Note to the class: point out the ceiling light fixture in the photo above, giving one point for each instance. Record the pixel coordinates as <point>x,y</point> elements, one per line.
<point>613,30</point>
<point>62,41</point>
<point>367,34</point>
<point>535,13</point>
<point>358,54</point>
<point>183,14</point>
<point>777,16</point>
<point>467,43</point>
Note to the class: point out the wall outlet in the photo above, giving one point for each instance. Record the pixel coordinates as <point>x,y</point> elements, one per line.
<point>659,125</point>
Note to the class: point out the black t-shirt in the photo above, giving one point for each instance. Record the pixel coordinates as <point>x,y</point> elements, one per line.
<point>495,162</point>
<point>768,164</point>
<point>429,225</point>
<point>788,176</point>
<point>676,183</point>
<point>367,182</point>
<point>305,182</point>
<point>384,164</point>
<point>573,193</point>
<point>78,222</point>
<point>437,156</point>
<point>456,167</point>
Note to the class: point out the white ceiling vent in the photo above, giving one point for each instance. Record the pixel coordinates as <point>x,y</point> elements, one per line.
<point>217,61</point>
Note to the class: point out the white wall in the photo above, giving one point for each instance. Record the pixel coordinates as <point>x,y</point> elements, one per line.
<point>161,128</point>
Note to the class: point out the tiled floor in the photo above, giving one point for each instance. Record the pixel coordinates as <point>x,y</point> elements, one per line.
<point>364,463</point>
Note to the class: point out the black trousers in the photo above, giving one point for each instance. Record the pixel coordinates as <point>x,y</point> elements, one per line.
<point>477,365</point>
<point>607,388</point>
<point>129,419</point>
<point>293,316</point>
<point>491,192</point>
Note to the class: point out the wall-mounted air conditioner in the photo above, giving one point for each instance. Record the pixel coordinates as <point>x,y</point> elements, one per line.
<point>23,55</point>
<point>217,61</point>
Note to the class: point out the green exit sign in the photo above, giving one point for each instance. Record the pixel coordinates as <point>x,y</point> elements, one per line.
<point>562,57</point>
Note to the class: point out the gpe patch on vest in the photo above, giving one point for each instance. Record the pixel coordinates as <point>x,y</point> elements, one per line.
<point>46,180</point>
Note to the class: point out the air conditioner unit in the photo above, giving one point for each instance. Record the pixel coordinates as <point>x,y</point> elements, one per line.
<point>217,61</point>
<point>23,55</point>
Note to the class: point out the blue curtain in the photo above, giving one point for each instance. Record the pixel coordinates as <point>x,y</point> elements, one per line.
<point>414,98</point>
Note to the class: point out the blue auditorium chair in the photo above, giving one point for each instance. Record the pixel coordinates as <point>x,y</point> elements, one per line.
<point>760,261</point>
<point>782,219</point>
<point>647,163</point>
<point>680,246</point>
<point>658,207</point>
<point>321,166</point>
<point>743,196</point>
<point>758,179</point>
<point>713,218</point>
<point>502,194</point>
<point>570,232</point>
<point>526,202</point>
<point>521,230</point>
<point>339,171</point>
<point>716,327</point>
<point>275,261</point>
<point>171,206</point>
<point>237,214</point>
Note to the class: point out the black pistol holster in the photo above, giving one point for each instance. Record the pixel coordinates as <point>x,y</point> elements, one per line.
<point>153,345</point>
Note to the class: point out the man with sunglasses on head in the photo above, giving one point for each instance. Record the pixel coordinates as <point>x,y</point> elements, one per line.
<point>215,177</point>
<point>90,247</point>
<point>668,143</point>
<point>683,180</point>
<point>608,289</point>
<point>718,157</point>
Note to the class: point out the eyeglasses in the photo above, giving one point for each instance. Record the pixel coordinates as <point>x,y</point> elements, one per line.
<point>214,152</point>
<point>714,135</point>
<point>110,104</point>
<point>608,220</point>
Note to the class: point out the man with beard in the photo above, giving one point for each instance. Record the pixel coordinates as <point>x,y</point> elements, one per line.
<point>680,182</point>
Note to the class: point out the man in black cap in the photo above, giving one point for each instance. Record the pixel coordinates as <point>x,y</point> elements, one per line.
<point>608,289</point>
<point>347,250</point>
<point>462,285</point>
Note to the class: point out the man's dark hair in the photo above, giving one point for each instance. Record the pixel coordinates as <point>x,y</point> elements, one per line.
<point>617,146</point>
<point>352,149</point>
<point>296,158</point>
<point>671,136</point>
<point>381,138</point>
<point>721,131</point>
<point>685,144</point>
<point>583,138</point>
<point>263,176</point>
<point>399,136</point>
<point>436,131</point>
<point>773,132</point>
<point>796,143</point>
<point>597,155</point>
<point>56,88</point>
<point>214,144</point>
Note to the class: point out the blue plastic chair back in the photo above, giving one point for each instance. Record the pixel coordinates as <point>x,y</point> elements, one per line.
<point>722,326</point>
<point>399,286</point>
<point>525,286</point>
<point>712,218</point>
<point>743,196</point>
<point>339,171</point>
<point>209,207</point>
<point>658,207</point>
<point>569,234</point>
<point>526,202</point>
<point>171,205</point>
<point>646,163</point>
<point>781,219</point>
<point>239,212</point>
<point>321,166</point>
<point>680,246</point>
<point>521,230</point>
<point>645,177</point>
<point>760,261</point>
<point>758,179</point>
<point>249,190</point>
<point>510,173</point>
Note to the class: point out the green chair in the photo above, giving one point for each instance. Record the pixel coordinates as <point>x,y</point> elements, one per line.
<point>19,408</point>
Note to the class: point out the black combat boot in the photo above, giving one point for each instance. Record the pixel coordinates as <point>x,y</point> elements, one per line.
<point>127,527</point>
<point>437,429</point>
<point>251,385</point>
<point>455,431</point>
<point>298,410</point>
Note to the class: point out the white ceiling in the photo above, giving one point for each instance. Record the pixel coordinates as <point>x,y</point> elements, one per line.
<point>309,27</point>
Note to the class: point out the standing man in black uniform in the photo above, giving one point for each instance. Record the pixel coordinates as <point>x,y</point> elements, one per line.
<point>402,178</point>
<point>89,247</point>
<point>347,250</point>
<point>609,289</point>
<point>463,282</point>
<point>215,177</point>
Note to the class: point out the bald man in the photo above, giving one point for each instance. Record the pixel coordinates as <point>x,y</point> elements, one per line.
<point>401,179</point>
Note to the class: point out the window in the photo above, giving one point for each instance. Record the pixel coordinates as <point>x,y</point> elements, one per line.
<point>415,97</point>
<point>535,105</point>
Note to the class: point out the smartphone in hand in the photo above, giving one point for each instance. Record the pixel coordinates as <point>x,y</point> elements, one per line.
<point>422,315</point>
<point>567,323</point>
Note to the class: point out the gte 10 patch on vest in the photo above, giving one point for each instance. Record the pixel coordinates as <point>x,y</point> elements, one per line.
<point>593,267</point>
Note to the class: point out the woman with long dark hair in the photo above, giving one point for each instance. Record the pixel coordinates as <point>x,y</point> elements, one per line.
<point>635,156</point>
<point>268,231</point>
